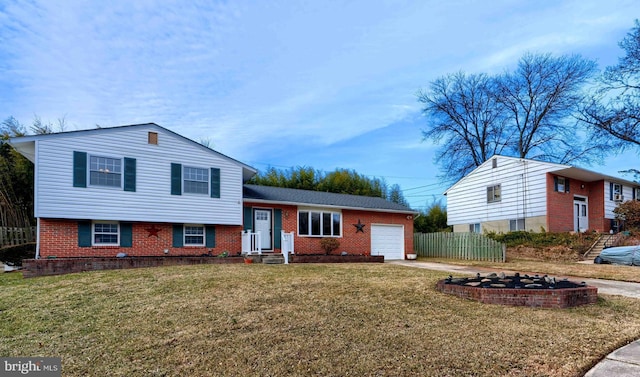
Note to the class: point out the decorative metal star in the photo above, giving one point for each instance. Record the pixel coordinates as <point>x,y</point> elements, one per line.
<point>153,231</point>
<point>360,226</point>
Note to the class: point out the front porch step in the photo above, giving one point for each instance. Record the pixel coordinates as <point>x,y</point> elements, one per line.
<point>273,259</point>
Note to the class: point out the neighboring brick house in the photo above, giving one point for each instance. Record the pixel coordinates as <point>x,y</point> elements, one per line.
<point>506,194</point>
<point>147,191</point>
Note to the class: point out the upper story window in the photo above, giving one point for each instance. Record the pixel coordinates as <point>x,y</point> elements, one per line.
<point>561,184</point>
<point>494,194</point>
<point>196,180</point>
<point>106,234</point>
<point>105,171</point>
<point>319,223</point>
<point>616,192</point>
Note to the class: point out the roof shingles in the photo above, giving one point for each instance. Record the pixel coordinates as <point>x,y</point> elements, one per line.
<point>320,198</point>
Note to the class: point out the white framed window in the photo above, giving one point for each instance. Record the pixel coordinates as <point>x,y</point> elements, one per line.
<point>320,223</point>
<point>494,194</point>
<point>196,180</point>
<point>105,171</point>
<point>105,233</point>
<point>636,191</point>
<point>517,224</point>
<point>193,235</point>
<point>474,228</point>
<point>617,192</point>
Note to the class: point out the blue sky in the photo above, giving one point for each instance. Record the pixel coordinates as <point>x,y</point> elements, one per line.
<point>324,84</point>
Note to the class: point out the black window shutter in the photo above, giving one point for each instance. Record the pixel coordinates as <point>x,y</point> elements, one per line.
<point>215,182</point>
<point>129,174</point>
<point>277,228</point>
<point>126,234</point>
<point>84,233</point>
<point>610,190</point>
<point>210,236</point>
<point>566,185</point>
<point>555,183</point>
<point>633,193</point>
<point>247,218</point>
<point>176,179</point>
<point>79,169</point>
<point>177,235</point>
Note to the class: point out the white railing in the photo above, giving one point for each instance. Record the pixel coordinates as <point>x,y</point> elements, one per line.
<point>286,245</point>
<point>251,243</point>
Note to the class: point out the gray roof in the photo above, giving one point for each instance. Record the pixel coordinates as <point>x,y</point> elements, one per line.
<point>319,198</point>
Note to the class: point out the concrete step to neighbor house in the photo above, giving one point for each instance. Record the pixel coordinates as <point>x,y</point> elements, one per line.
<point>272,259</point>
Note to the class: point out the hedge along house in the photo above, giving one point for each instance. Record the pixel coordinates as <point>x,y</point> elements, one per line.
<point>506,194</point>
<point>144,190</point>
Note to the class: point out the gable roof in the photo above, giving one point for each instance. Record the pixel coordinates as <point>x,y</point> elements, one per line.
<point>26,144</point>
<point>558,169</point>
<point>270,194</point>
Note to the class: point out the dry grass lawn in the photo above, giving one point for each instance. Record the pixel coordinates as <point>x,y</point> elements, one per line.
<point>298,320</point>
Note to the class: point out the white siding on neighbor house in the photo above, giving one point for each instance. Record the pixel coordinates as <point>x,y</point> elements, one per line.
<point>610,205</point>
<point>523,186</point>
<point>152,201</point>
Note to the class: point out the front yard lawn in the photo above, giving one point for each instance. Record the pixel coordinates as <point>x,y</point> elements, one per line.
<point>278,320</point>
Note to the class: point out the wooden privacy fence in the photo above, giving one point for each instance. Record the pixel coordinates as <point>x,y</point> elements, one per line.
<point>10,236</point>
<point>472,246</point>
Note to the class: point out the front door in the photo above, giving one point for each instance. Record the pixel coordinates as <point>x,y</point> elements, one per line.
<point>580,214</point>
<point>262,224</point>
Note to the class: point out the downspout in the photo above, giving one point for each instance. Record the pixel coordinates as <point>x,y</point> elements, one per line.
<point>38,238</point>
<point>36,177</point>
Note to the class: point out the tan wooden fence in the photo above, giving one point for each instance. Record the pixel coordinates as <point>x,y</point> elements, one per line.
<point>470,246</point>
<point>10,236</point>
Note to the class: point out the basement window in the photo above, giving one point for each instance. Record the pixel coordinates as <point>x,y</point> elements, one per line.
<point>106,234</point>
<point>517,224</point>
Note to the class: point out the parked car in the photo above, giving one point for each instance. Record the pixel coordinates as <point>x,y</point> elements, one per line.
<point>627,255</point>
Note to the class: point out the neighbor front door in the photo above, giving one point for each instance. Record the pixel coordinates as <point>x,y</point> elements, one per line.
<point>580,214</point>
<point>262,224</point>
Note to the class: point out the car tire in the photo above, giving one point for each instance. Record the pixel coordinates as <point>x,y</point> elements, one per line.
<point>598,260</point>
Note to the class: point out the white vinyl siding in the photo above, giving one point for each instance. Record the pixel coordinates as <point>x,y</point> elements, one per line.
<point>152,201</point>
<point>609,203</point>
<point>523,187</point>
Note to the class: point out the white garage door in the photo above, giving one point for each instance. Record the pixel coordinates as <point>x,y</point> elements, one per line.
<point>387,240</point>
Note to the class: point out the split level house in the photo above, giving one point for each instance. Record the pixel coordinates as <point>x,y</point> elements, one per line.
<point>144,190</point>
<point>508,194</point>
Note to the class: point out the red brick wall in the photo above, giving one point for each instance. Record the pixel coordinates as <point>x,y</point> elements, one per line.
<point>59,238</point>
<point>560,210</point>
<point>596,208</point>
<point>351,242</point>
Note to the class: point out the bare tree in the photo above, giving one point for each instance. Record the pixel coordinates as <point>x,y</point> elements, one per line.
<point>541,97</point>
<point>465,118</point>
<point>613,114</point>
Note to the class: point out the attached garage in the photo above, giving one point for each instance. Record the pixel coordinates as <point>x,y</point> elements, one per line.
<point>387,240</point>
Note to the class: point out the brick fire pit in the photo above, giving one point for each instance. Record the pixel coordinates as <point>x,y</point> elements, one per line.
<point>516,290</point>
